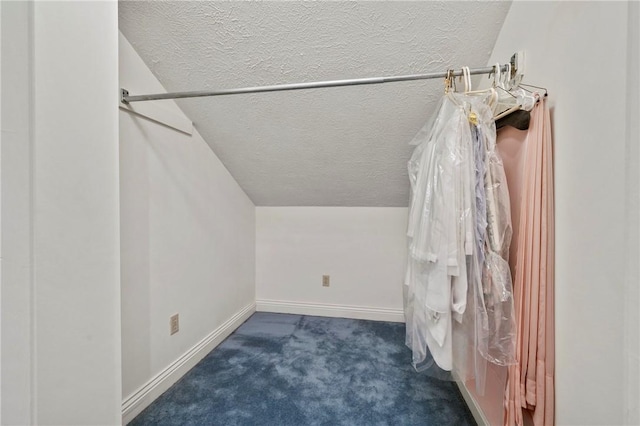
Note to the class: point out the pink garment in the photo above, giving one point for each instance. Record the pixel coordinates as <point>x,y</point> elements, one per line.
<point>528,163</point>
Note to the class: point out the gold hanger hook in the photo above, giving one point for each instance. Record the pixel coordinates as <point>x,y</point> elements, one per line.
<point>448,81</point>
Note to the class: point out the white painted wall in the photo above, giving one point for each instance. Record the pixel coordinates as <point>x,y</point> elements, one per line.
<point>632,292</point>
<point>363,249</point>
<point>187,231</point>
<point>15,201</point>
<point>578,51</point>
<point>0,216</point>
<point>75,209</point>
<point>60,257</point>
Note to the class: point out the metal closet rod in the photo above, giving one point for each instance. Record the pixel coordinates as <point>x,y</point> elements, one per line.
<point>126,98</point>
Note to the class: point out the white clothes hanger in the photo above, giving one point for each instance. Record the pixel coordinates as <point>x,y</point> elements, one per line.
<point>467,79</point>
<point>507,99</point>
<point>507,78</point>
<point>493,95</point>
<point>524,98</point>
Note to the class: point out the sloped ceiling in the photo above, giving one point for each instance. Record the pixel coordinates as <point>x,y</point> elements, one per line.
<point>343,146</point>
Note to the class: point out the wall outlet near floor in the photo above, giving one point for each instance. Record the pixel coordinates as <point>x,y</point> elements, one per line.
<point>326,281</point>
<point>174,324</point>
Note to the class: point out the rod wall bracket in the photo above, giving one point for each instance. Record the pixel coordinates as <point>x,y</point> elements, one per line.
<point>124,94</point>
<point>517,67</point>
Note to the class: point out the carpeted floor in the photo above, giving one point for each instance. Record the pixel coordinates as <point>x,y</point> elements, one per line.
<point>279,369</point>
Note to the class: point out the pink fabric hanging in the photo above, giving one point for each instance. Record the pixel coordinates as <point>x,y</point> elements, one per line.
<point>528,163</point>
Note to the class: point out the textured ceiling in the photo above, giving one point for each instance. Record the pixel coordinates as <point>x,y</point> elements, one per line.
<point>343,146</point>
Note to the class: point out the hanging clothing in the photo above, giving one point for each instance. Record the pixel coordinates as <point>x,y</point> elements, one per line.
<point>481,214</point>
<point>500,334</point>
<point>458,193</point>
<point>440,232</point>
<point>528,165</point>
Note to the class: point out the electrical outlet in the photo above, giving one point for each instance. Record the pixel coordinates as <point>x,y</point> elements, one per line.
<point>174,324</point>
<point>325,281</point>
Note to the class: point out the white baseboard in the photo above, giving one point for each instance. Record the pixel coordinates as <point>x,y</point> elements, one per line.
<point>146,394</point>
<point>475,409</point>
<point>327,310</point>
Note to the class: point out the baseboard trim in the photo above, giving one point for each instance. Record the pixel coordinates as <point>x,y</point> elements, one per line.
<point>329,310</point>
<point>146,394</point>
<point>473,405</point>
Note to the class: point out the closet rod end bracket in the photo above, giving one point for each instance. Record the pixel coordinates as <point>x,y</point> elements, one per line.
<point>124,95</point>
<point>517,65</point>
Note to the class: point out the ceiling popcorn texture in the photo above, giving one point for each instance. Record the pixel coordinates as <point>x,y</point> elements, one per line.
<point>345,146</point>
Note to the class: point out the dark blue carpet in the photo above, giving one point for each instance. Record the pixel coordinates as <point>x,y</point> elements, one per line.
<point>279,369</point>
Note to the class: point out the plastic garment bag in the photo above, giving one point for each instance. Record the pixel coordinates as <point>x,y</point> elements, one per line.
<point>495,310</point>
<point>457,194</point>
<point>497,344</point>
<point>440,235</point>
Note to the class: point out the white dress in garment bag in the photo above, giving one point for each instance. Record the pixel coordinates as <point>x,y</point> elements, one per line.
<point>441,234</point>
